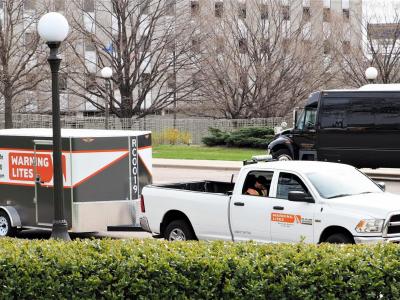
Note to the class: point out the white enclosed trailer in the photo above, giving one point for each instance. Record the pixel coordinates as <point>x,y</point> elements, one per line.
<point>103,170</point>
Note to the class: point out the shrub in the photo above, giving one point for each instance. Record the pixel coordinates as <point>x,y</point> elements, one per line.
<point>217,137</point>
<point>118,269</point>
<point>185,138</point>
<point>251,137</point>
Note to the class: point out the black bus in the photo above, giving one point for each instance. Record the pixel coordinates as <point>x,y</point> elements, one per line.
<point>357,127</point>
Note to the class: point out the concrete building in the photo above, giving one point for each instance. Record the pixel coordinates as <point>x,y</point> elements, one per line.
<point>318,18</point>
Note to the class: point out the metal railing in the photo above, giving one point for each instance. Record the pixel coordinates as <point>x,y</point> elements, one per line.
<point>193,129</point>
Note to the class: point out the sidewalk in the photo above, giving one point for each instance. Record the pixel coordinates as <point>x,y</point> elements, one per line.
<point>377,174</point>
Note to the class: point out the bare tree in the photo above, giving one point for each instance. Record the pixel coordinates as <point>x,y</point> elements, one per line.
<point>379,47</point>
<point>21,58</point>
<point>144,43</point>
<point>261,64</point>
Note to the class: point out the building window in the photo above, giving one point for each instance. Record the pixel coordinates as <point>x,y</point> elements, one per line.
<point>327,14</point>
<point>59,5</point>
<point>196,45</point>
<point>242,46</point>
<point>144,7</point>
<point>220,44</point>
<point>196,80</point>
<point>63,82</point>
<point>89,45</point>
<point>194,8</point>
<point>327,47</point>
<point>171,81</point>
<point>90,81</point>
<point>88,6</point>
<point>219,9</point>
<point>29,4</point>
<point>264,11</point>
<point>346,15</point>
<point>144,83</point>
<point>286,13</point>
<point>346,47</point>
<point>306,14</point>
<point>170,7</point>
<point>30,38</point>
<point>242,11</point>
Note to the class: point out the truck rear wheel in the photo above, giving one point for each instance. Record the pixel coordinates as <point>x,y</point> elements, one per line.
<point>5,225</point>
<point>179,230</point>
<point>282,154</point>
<point>339,238</point>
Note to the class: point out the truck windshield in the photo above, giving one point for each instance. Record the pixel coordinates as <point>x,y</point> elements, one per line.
<point>342,183</point>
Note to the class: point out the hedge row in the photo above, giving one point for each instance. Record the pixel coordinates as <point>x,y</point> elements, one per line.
<point>252,137</point>
<point>198,270</point>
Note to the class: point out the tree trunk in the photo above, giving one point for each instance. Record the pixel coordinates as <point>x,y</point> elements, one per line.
<point>7,109</point>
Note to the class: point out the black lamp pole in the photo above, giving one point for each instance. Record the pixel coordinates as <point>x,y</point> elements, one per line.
<point>60,226</point>
<point>107,102</point>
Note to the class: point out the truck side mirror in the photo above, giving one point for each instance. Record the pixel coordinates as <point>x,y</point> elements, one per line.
<point>299,196</point>
<point>382,185</point>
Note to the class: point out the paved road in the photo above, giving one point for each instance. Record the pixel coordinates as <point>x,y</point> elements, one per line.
<point>165,175</point>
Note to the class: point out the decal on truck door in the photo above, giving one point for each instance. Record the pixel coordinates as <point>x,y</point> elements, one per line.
<point>287,219</point>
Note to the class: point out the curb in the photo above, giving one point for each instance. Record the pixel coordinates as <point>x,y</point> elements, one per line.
<point>187,165</point>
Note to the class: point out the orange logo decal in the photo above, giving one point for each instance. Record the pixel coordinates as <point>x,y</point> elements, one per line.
<point>22,166</point>
<point>285,218</point>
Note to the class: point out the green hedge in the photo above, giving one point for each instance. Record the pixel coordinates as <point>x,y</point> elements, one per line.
<point>151,269</point>
<point>252,137</point>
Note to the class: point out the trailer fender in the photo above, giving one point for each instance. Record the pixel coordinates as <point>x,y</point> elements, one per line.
<point>13,215</point>
<point>281,142</point>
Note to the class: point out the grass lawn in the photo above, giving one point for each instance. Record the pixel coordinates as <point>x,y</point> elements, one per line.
<point>204,153</point>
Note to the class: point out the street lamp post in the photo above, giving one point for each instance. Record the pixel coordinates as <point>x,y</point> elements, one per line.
<point>107,73</point>
<point>53,28</point>
<point>371,74</point>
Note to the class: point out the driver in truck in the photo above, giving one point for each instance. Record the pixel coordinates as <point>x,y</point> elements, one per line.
<point>261,185</point>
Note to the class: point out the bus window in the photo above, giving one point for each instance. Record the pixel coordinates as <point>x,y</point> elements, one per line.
<point>309,120</point>
<point>333,113</point>
<point>361,113</point>
<point>387,116</point>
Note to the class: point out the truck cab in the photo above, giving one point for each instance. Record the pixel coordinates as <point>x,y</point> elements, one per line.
<point>299,142</point>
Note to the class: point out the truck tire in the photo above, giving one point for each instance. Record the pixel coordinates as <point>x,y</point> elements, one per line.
<point>339,238</point>
<point>179,230</point>
<point>282,154</point>
<point>5,225</point>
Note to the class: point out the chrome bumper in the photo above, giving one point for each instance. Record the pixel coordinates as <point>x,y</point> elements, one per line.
<point>145,224</point>
<point>374,240</point>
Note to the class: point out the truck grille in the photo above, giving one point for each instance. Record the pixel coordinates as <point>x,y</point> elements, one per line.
<point>394,225</point>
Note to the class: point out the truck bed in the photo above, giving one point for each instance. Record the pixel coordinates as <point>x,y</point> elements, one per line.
<point>205,186</point>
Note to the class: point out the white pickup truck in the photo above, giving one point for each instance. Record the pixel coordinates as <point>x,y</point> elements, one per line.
<point>306,201</point>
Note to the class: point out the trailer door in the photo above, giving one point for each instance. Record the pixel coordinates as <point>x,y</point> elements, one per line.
<point>43,171</point>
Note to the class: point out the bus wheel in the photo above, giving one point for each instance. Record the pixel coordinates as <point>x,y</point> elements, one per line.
<point>5,225</point>
<point>282,154</point>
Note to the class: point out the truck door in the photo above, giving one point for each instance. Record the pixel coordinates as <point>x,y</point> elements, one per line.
<point>304,134</point>
<point>43,174</point>
<point>290,221</point>
<point>249,213</point>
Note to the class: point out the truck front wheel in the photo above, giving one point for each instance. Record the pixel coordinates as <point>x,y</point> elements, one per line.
<point>5,225</point>
<point>282,154</point>
<point>339,238</point>
<point>179,230</point>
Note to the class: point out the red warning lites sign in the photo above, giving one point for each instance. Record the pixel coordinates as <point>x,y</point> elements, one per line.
<point>22,166</point>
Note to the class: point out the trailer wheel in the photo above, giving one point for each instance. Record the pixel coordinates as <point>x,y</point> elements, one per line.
<point>339,238</point>
<point>179,230</point>
<point>282,154</point>
<point>5,225</point>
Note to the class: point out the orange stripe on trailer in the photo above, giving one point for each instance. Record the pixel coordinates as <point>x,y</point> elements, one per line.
<point>144,147</point>
<point>145,166</point>
<point>66,152</point>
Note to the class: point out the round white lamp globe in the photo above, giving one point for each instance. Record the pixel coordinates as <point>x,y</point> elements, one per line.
<point>371,73</point>
<point>106,72</point>
<point>53,27</point>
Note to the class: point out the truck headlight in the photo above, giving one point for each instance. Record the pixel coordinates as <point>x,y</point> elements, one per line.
<point>373,225</point>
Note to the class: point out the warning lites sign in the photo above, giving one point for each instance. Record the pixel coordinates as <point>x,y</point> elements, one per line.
<point>285,218</point>
<point>22,166</point>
